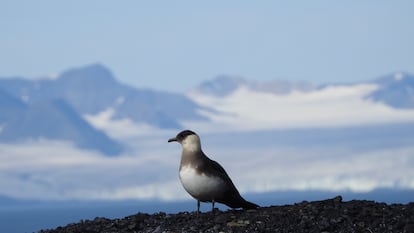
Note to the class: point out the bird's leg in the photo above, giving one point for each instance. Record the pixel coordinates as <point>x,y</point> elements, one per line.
<point>198,207</point>
<point>212,206</point>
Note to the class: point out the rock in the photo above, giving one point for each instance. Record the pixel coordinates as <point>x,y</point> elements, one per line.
<point>332,215</point>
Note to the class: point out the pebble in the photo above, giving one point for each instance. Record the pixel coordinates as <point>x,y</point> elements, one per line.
<point>332,215</point>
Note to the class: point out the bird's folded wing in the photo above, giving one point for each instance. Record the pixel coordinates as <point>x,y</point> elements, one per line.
<point>220,170</point>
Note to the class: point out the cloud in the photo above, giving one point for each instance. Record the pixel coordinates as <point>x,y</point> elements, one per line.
<point>304,169</point>
<point>57,170</point>
<point>53,170</point>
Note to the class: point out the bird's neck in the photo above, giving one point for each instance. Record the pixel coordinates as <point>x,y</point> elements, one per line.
<point>191,156</point>
<point>191,144</point>
<point>192,152</point>
<point>191,148</point>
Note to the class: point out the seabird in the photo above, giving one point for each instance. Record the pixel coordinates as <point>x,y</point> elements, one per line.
<point>205,179</point>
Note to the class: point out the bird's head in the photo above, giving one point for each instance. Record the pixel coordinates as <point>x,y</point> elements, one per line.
<point>189,140</point>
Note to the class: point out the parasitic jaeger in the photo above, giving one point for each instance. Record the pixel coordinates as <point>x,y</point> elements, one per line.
<point>205,179</point>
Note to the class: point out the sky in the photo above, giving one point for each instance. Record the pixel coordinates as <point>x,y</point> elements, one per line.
<point>175,45</point>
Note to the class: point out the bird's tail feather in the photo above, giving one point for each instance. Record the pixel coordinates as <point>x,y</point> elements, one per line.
<point>241,203</point>
<point>246,205</point>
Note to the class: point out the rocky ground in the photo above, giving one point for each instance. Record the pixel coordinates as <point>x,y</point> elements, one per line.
<point>332,215</point>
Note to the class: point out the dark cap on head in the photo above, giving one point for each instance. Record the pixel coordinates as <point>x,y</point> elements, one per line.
<point>181,136</point>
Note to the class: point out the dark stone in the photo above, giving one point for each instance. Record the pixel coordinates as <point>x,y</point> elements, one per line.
<point>332,215</point>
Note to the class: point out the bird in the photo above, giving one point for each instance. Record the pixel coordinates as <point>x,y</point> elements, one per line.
<point>205,179</point>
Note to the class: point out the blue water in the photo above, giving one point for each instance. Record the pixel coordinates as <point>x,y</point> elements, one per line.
<point>32,218</point>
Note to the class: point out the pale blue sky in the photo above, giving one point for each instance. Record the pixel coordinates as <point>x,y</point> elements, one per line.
<point>174,45</point>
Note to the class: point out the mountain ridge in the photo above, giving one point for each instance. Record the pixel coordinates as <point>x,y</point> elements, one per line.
<point>392,88</point>
<point>224,85</point>
<point>91,90</point>
<point>87,90</point>
<point>397,90</point>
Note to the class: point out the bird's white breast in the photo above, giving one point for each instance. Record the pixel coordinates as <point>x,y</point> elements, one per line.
<point>200,186</point>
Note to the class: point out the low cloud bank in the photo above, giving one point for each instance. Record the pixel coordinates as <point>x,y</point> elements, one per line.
<point>50,170</point>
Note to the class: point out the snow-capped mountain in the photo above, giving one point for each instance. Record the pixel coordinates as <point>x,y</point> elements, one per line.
<point>244,105</point>
<point>58,108</point>
<point>50,119</point>
<point>225,85</point>
<point>93,89</point>
<point>85,105</point>
<point>395,90</point>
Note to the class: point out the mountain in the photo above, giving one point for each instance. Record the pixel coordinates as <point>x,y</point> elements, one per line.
<point>10,107</point>
<point>94,89</point>
<point>55,108</point>
<point>52,118</point>
<point>395,90</point>
<point>226,85</point>
<point>55,120</point>
<point>240,104</point>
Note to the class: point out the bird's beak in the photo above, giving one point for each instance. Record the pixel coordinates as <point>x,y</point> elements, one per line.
<point>172,140</point>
